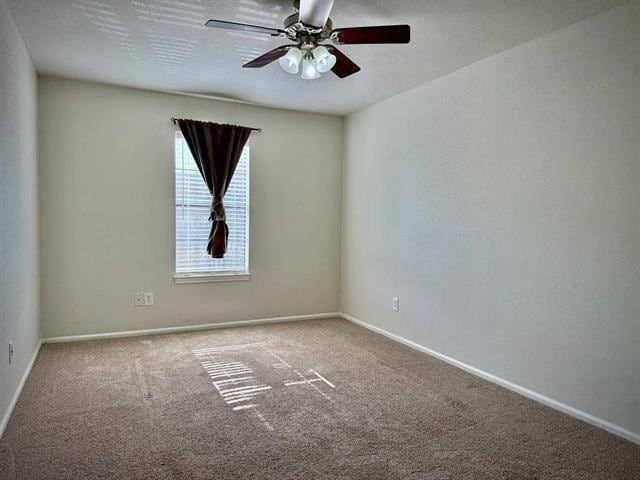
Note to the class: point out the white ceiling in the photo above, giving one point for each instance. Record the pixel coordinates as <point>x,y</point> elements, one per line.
<point>163,45</point>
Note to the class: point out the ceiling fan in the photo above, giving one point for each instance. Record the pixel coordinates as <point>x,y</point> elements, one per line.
<point>308,28</point>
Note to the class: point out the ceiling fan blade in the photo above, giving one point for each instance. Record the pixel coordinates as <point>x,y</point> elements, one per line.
<point>268,57</point>
<point>344,66</point>
<point>381,34</point>
<point>274,32</point>
<point>315,12</point>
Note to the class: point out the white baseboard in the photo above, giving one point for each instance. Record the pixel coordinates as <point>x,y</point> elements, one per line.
<point>550,402</point>
<point>16,395</point>
<point>188,328</point>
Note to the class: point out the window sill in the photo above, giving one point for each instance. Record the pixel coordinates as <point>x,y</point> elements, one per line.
<point>180,278</point>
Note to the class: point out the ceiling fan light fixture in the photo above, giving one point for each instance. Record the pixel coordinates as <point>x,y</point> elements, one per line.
<point>325,61</point>
<point>291,61</point>
<point>307,30</point>
<point>309,69</point>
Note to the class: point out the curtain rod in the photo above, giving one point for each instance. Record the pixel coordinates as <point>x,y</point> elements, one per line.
<point>174,121</point>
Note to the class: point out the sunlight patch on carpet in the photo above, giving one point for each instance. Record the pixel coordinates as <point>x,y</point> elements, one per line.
<point>243,374</point>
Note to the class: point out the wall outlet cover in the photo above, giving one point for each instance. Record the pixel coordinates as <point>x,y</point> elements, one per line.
<point>138,299</point>
<point>395,304</point>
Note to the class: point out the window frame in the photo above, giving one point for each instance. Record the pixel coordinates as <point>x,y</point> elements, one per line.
<point>212,276</point>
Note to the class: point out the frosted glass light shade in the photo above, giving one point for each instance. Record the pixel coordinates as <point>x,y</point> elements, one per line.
<point>291,61</point>
<point>309,69</point>
<point>325,61</point>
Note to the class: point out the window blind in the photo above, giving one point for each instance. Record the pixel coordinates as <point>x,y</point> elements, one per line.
<point>193,201</point>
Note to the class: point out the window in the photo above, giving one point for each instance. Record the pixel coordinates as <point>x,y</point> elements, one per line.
<point>193,201</point>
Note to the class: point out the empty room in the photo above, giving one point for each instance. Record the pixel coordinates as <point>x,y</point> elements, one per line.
<point>319,239</point>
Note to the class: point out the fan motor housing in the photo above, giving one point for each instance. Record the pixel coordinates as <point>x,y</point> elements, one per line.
<point>297,31</point>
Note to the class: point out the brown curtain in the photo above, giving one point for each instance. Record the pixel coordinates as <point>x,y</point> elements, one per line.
<point>216,149</point>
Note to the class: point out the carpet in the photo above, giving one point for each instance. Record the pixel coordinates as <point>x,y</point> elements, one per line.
<point>321,399</point>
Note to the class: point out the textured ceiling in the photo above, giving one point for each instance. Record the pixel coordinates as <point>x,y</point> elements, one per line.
<point>163,45</point>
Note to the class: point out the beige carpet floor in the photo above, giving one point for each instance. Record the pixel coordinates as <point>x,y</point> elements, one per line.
<point>305,400</point>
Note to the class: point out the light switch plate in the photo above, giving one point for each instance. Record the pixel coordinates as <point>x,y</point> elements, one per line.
<point>148,298</point>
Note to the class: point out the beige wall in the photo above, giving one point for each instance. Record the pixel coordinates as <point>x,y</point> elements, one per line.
<point>501,205</point>
<point>107,211</point>
<point>19,297</point>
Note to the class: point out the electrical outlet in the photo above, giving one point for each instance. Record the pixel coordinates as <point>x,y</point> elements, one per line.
<point>395,304</point>
<point>148,298</point>
<point>138,299</point>
<point>10,352</point>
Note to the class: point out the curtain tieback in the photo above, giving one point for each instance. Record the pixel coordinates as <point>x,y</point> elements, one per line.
<point>218,213</point>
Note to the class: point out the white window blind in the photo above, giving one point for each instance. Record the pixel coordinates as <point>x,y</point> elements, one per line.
<point>193,202</point>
